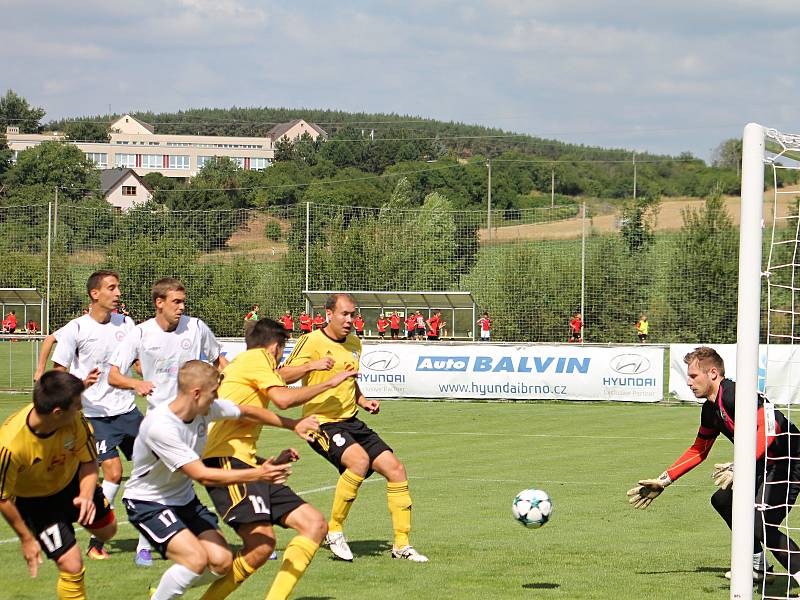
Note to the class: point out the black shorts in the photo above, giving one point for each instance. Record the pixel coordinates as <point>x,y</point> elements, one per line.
<point>117,432</point>
<point>254,502</point>
<point>395,332</point>
<point>642,337</point>
<point>433,337</point>
<point>359,333</point>
<point>410,333</point>
<point>381,334</point>
<point>159,523</point>
<point>334,438</point>
<point>421,331</point>
<point>50,518</point>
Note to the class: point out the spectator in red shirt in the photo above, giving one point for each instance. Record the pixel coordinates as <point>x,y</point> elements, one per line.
<point>306,323</point>
<point>433,325</point>
<point>358,323</point>
<point>394,325</point>
<point>383,323</point>
<point>10,322</point>
<point>486,327</point>
<point>32,326</point>
<point>575,326</point>
<point>411,326</point>
<point>319,321</point>
<point>420,326</point>
<point>288,323</point>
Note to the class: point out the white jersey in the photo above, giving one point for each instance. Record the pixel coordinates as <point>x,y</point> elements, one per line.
<point>83,345</point>
<point>163,446</point>
<point>162,353</point>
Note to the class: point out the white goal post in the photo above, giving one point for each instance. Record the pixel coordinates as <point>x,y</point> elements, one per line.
<point>781,152</point>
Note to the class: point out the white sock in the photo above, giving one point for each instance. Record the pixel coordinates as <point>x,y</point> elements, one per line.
<point>207,577</point>
<point>174,582</point>
<point>759,561</point>
<point>143,544</point>
<point>110,491</point>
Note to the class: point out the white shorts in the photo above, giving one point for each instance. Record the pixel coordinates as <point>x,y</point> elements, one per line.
<point>485,335</point>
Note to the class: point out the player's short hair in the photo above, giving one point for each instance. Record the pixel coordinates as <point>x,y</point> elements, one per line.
<point>96,278</point>
<point>196,373</point>
<point>164,286</point>
<point>264,333</point>
<point>56,389</point>
<point>330,303</point>
<point>706,358</point>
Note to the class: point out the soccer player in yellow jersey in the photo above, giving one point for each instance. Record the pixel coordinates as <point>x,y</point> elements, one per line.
<point>252,509</point>
<point>48,480</point>
<point>343,439</point>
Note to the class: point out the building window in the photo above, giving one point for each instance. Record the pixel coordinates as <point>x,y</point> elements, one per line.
<point>100,159</point>
<point>202,160</point>
<point>152,161</point>
<point>179,161</point>
<point>257,164</point>
<point>125,160</point>
<point>128,190</point>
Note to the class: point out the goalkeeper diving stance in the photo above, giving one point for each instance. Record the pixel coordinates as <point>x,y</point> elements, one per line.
<point>777,461</point>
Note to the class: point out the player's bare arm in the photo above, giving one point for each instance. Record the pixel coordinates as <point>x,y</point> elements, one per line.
<point>372,406</point>
<point>88,474</point>
<point>117,379</point>
<point>44,354</point>
<point>31,551</point>
<point>264,416</point>
<point>209,476</point>
<point>284,397</point>
<point>297,372</point>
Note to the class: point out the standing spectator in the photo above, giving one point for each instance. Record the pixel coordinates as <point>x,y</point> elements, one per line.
<point>358,323</point>
<point>383,323</point>
<point>394,325</point>
<point>11,322</point>
<point>433,325</point>
<point>319,321</point>
<point>442,328</point>
<point>486,327</point>
<point>288,323</point>
<point>420,326</point>
<point>576,329</point>
<point>642,328</point>
<point>253,314</point>
<point>306,323</point>
<point>411,325</point>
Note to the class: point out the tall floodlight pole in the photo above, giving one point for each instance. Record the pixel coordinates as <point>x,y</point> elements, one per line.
<point>583,268</point>
<point>552,186</point>
<point>49,244</point>
<point>634,175</point>
<point>489,200</point>
<point>308,249</point>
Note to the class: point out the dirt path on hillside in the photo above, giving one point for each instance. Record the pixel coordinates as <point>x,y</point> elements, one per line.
<point>670,218</point>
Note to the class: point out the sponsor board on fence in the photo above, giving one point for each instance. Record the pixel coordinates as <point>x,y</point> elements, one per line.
<point>496,371</point>
<point>778,370</point>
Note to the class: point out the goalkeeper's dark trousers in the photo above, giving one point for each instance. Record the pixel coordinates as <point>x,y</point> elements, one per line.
<point>775,495</point>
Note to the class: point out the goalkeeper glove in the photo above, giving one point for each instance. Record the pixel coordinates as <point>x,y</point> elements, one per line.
<point>723,475</point>
<point>648,490</point>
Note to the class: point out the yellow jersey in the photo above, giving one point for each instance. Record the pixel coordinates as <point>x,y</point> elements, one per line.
<point>32,466</point>
<point>246,381</point>
<point>339,403</point>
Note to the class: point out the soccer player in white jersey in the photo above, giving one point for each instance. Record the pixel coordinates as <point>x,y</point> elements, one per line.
<point>160,497</point>
<point>84,347</point>
<point>162,345</point>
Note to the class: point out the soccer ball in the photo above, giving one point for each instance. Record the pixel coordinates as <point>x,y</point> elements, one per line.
<point>532,508</point>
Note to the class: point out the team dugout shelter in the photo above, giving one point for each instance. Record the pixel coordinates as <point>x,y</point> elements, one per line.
<point>459,309</point>
<point>27,304</point>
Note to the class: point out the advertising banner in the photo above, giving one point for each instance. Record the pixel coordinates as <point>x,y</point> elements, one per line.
<point>499,371</point>
<point>778,370</point>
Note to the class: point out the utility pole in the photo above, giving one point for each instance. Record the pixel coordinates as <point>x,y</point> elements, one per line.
<point>634,175</point>
<point>489,200</point>
<point>552,186</point>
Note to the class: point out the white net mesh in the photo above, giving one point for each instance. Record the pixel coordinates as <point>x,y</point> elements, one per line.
<point>779,373</point>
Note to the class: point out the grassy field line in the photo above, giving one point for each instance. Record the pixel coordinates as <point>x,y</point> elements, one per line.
<point>534,435</point>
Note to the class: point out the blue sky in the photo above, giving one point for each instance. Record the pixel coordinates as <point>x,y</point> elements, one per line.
<point>656,76</point>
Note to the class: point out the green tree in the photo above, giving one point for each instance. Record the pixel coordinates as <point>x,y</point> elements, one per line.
<point>284,150</point>
<point>15,111</point>
<point>638,220</point>
<point>702,297</point>
<point>86,131</point>
<point>5,155</point>
<point>728,155</point>
<point>434,250</point>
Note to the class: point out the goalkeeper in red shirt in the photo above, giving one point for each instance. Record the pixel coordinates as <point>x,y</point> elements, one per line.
<point>777,462</point>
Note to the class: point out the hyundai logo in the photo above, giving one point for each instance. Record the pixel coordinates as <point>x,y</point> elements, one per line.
<point>380,360</point>
<point>629,364</point>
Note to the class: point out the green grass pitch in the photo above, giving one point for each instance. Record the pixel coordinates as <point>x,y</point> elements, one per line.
<point>466,462</point>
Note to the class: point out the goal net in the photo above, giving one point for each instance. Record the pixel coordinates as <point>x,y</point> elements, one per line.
<point>768,360</point>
